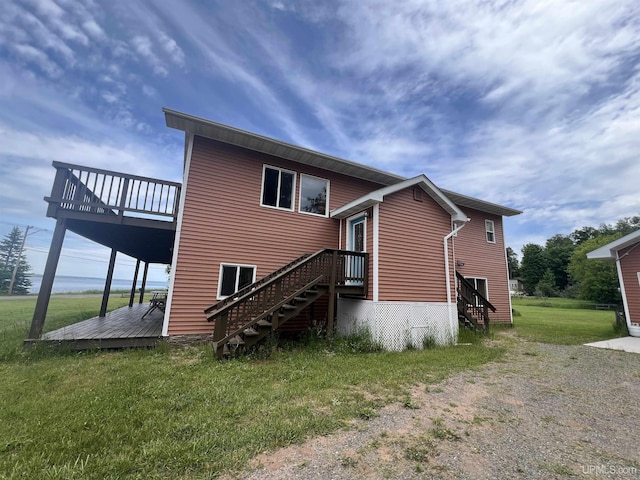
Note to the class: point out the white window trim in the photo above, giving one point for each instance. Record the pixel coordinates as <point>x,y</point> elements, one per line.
<point>475,285</point>
<point>326,210</point>
<point>491,230</point>
<point>293,188</point>
<point>239,265</point>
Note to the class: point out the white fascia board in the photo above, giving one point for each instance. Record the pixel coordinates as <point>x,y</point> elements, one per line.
<point>608,251</point>
<point>357,205</point>
<point>378,196</point>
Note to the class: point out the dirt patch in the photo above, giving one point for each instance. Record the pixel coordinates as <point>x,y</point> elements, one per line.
<point>546,412</point>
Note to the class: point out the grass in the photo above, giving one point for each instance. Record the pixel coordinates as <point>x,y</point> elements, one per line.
<point>16,314</point>
<point>566,322</point>
<point>553,302</point>
<point>175,412</point>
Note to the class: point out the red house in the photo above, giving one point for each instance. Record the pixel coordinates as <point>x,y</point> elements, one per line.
<point>625,253</point>
<point>265,235</point>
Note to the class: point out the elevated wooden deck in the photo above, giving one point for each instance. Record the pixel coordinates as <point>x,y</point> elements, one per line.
<point>129,214</point>
<point>121,328</point>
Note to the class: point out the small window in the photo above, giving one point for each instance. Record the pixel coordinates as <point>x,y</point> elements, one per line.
<point>278,186</point>
<point>314,195</point>
<point>491,231</point>
<point>234,278</point>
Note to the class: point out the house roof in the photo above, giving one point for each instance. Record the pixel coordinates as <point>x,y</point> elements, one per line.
<point>377,196</point>
<point>481,205</point>
<point>270,146</point>
<point>608,251</point>
<point>252,141</point>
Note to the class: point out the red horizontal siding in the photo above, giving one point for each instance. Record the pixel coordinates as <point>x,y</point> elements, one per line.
<point>411,258</point>
<point>485,260</point>
<point>223,222</point>
<point>630,266</point>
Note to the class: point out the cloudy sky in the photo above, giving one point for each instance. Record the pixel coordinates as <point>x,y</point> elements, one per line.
<point>532,104</point>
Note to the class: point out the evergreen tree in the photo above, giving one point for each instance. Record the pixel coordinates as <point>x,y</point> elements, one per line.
<point>10,255</point>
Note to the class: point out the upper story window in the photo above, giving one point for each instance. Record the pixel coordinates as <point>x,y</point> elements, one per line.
<point>278,186</point>
<point>234,278</point>
<point>314,195</point>
<point>490,228</point>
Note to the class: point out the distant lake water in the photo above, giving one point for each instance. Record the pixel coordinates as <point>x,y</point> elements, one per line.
<point>64,284</point>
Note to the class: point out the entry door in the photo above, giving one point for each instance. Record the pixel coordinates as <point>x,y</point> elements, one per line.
<point>356,242</point>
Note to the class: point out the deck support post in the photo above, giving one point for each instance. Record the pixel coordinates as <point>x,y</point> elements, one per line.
<point>144,281</point>
<point>44,295</point>
<point>332,294</point>
<point>135,281</point>
<point>107,283</point>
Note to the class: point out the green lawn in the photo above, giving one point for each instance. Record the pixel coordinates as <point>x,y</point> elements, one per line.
<point>562,321</point>
<point>175,412</point>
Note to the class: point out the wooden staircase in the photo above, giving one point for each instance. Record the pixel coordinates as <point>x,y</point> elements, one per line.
<point>473,307</point>
<point>249,315</point>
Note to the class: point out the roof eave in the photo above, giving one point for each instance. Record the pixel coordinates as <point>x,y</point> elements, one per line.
<point>609,251</point>
<point>252,141</point>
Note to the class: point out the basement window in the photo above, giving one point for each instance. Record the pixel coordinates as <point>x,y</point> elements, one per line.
<point>278,186</point>
<point>234,278</point>
<point>490,228</point>
<point>314,195</point>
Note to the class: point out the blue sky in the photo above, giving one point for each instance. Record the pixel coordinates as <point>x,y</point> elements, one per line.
<point>532,104</point>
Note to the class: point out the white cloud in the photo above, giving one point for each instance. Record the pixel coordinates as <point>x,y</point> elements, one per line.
<point>38,57</point>
<point>142,45</point>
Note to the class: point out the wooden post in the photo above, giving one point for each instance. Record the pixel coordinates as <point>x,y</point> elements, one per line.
<point>107,283</point>
<point>123,199</point>
<point>332,294</point>
<point>144,281</point>
<point>135,281</point>
<point>219,332</point>
<point>42,304</point>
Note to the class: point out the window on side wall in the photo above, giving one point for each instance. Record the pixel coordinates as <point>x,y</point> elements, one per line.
<point>314,195</point>
<point>278,186</point>
<point>490,228</point>
<point>480,284</point>
<point>234,278</point>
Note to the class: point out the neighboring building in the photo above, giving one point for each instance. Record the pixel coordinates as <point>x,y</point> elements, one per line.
<point>516,287</point>
<point>399,256</point>
<point>626,254</point>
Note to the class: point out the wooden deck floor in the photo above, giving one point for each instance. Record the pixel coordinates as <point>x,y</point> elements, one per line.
<point>121,328</point>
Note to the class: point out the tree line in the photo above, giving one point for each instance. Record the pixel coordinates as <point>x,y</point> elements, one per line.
<point>561,267</point>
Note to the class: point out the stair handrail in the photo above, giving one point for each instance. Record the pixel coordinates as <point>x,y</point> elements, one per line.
<point>251,287</point>
<point>329,266</point>
<point>475,291</point>
<point>264,314</point>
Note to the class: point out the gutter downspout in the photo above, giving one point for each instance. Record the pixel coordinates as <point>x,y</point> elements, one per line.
<point>446,267</point>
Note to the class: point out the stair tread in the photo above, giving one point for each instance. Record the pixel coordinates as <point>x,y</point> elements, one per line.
<point>250,332</point>
<point>264,323</point>
<point>236,341</point>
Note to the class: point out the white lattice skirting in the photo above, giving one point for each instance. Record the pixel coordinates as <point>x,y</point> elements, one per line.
<point>400,325</point>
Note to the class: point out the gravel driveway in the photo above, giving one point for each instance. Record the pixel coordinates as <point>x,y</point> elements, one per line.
<point>543,411</point>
